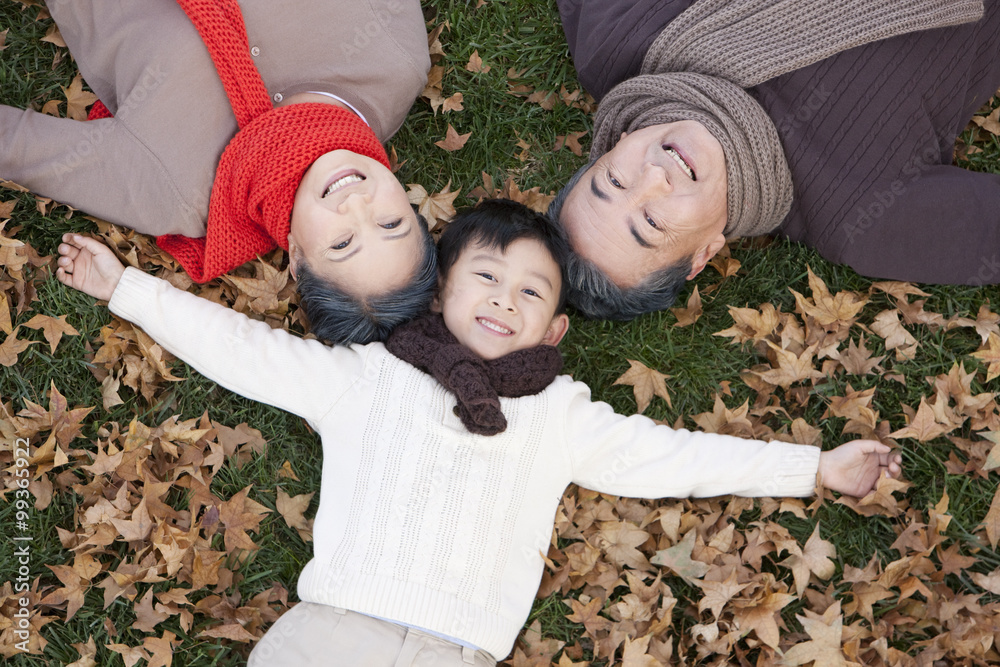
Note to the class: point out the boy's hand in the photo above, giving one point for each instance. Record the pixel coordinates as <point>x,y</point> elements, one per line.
<point>855,467</point>
<point>88,265</point>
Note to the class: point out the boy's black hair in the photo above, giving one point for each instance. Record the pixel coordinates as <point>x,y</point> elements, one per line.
<point>496,223</point>
<point>339,318</point>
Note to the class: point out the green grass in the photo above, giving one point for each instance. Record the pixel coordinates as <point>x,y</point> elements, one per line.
<point>525,35</point>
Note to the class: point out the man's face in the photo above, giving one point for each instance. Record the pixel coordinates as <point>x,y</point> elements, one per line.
<point>353,224</point>
<point>658,197</point>
<point>495,303</point>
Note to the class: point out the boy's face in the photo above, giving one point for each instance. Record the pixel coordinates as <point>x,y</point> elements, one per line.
<point>351,220</point>
<point>496,303</point>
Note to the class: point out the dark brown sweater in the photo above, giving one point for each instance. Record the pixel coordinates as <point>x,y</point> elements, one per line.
<point>868,134</point>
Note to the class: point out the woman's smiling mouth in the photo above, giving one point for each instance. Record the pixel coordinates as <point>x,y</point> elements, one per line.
<point>341,181</point>
<point>681,162</point>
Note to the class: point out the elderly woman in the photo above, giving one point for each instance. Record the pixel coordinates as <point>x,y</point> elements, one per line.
<point>832,123</point>
<point>235,127</point>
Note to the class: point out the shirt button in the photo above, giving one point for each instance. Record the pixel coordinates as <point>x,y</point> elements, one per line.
<point>278,97</point>
<point>255,51</point>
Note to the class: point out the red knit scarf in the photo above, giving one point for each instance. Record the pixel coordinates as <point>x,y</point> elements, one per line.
<point>259,171</point>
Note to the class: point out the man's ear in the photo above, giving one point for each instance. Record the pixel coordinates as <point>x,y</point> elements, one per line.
<point>705,254</point>
<point>294,257</point>
<point>557,329</point>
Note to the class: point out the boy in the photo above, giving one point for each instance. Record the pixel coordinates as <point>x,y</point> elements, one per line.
<point>430,535</point>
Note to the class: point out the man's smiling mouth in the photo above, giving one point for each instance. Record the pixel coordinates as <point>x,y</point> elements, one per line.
<point>681,162</point>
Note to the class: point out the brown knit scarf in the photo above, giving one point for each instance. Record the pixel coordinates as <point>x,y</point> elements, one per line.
<point>698,67</point>
<point>477,384</point>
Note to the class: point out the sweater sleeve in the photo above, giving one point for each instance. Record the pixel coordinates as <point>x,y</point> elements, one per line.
<point>633,456</point>
<point>304,377</point>
<point>940,225</point>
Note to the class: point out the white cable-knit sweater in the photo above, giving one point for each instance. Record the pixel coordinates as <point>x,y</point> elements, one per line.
<point>420,521</point>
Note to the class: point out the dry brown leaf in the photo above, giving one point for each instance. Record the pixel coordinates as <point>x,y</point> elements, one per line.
<point>826,308</point>
<point>887,325</point>
<point>475,63</point>
<point>53,327</point>
<point>824,646</point>
<point>78,99</point>
<point>813,559</point>
<point>924,426</point>
<point>858,360</point>
<point>678,559</point>
<point>760,615</point>
<point>989,354</point>
<point>437,208</point>
<point>11,347</point>
<point>51,108</point>
<point>130,654</point>
<point>570,141</point>
<point>791,368</point>
<point>291,510</point>
<point>751,324</point>
<point>690,314</point>
<point>87,650</point>
<point>716,594</point>
<point>453,103</point>
<point>992,520</point>
<point>53,36</point>
<point>453,141</point>
<point>240,514</point>
<point>989,123</point>
<point>286,472</point>
<point>645,383</point>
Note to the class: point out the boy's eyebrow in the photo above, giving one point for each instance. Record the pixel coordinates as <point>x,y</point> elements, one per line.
<point>542,277</point>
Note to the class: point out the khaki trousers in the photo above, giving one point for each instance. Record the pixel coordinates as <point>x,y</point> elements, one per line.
<point>316,634</point>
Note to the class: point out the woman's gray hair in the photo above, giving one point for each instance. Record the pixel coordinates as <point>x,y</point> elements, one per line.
<point>339,318</point>
<point>595,295</point>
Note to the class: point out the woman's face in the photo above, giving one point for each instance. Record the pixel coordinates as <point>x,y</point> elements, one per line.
<point>658,197</point>
<point>353,224</point>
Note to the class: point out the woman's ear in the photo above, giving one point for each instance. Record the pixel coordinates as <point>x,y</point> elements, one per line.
<point>557,329</point>
<point>294,257</point>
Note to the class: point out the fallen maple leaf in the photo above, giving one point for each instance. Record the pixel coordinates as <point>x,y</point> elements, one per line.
<point>437,208</point>
<point>292,511</point>
<point>645,383</point>
<point>453,141</point>
<point>475,63</point>
<point>887,325</point>
<point>718,593</point>
<point>813,559</point>
<point>989,123</point>
<point>240,514</point>
<point>992,520</point>
<point>571,141</point>
<point>678,559</point>
<point>453,103</point>
<point>690,314</point>
<point>924,426</point>
<point>827,308</point>
<point>11,347</point>
<point>53,327</point>
<point>77,99</point>
<point>858,360</point>
<point>826,634</point>
<point>989,353</point>
<point>53,36</point>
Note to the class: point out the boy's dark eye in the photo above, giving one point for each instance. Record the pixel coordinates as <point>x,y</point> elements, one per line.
<point>342,244</point>
<point>488,276</point>
<point>531,292</point>
<point>393,224</point>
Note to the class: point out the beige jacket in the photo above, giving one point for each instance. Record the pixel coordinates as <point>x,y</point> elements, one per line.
<point>151,167</point>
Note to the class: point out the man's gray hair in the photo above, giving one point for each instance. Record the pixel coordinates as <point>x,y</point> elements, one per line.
<point>595,295</point>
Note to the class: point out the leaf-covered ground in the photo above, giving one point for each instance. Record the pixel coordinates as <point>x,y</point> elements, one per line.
<point>166,519</point>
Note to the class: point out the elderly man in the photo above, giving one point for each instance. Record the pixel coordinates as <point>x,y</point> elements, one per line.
<point>831,123</point>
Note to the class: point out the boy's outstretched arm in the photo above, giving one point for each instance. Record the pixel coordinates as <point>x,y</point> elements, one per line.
<point>88,265</point>
<point>854,467</point>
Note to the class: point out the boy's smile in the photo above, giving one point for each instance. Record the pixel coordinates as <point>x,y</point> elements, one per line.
<point>497,302</point>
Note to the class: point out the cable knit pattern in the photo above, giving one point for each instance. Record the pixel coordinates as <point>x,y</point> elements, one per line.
<point>421,522</point>
<point>477,383</point>
<point>724,45</point>
<point>259,172</point>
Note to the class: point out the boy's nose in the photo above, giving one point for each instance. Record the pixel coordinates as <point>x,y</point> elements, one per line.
<point>503,303</point>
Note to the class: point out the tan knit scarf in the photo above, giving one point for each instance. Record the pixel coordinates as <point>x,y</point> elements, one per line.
<point>698,67</point>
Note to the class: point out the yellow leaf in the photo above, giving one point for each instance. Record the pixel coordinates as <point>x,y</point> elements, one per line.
<point>78,99</point>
